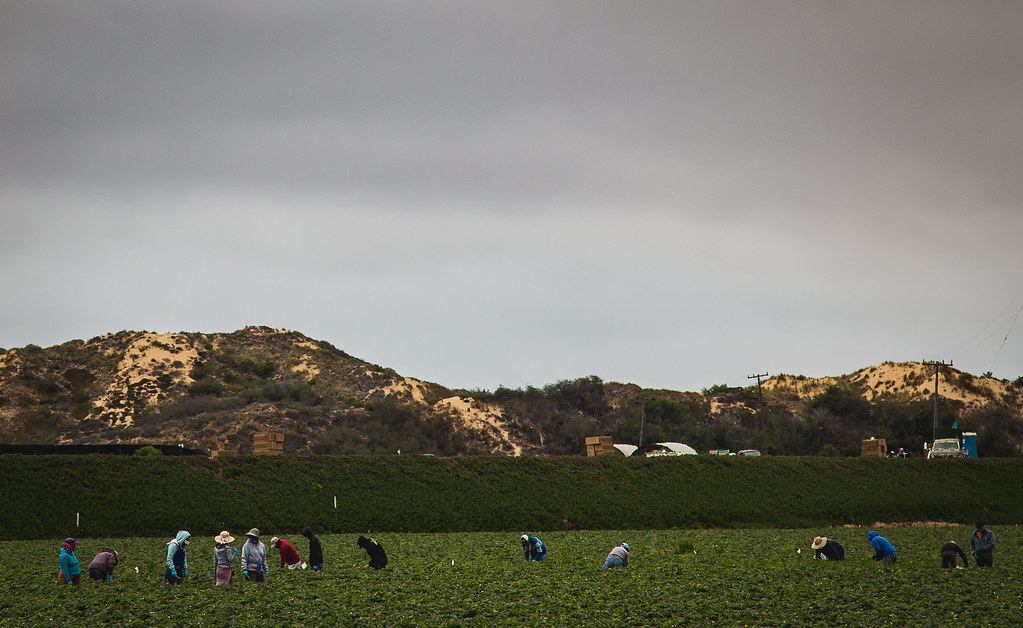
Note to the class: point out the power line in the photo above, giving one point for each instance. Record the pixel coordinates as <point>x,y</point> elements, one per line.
<point>993,336</point>
<point>1002,346</point>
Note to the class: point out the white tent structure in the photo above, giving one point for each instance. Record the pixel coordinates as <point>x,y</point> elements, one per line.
<point>665,449</point>
<point>624,449</point>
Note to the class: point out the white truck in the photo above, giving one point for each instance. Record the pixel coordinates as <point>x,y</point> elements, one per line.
<point>946,448</point>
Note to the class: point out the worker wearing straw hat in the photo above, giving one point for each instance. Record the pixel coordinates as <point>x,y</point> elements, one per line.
<point>224,555</point>
<point>827,549</point>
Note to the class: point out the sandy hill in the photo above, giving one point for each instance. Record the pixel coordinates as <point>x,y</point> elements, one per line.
<point>900,380</point>
<point>215,390</point>
<point>139,386</point>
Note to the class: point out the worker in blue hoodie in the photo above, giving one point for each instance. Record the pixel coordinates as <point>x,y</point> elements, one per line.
<point>884,551</point>
<point>177,560</point>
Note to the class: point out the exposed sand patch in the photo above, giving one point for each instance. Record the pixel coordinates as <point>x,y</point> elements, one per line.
<point>305,363</point>
<point>803,387</point>
<point>158,352</point>
<point>148,357</point>
<point>716,406</point>
<point>481,418</point>
<point>407,386</point>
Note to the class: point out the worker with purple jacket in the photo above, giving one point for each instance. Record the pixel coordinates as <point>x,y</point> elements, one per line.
<point>102,566</point>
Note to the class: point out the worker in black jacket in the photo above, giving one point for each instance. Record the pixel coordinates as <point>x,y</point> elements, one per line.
<point>948,555</point>
<point>377,557</point>
<point>315,549</point>
<point>827,549</point>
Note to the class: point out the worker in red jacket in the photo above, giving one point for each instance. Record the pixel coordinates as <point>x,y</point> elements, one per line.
<point>289,555</point>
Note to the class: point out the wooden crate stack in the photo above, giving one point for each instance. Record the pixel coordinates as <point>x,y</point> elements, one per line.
<point>600,446</point>
<point>874,447</point>
<point>268,443</point>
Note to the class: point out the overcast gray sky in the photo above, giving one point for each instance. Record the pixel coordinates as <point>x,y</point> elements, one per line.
<point>675,194</point>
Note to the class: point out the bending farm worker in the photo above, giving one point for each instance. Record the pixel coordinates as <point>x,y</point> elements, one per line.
<point>315,549</point>
<point>102,566</point>
<point>884,551</point>
<point>223,557</point>
<point>617,557</point>
<point>948,555</point>
<point>70,571</point>
<point>254,558</point>
<point>533,549</point>
<point>289,555</point>
<point>827,549</point>
<point>177,558</point>
<point>983,545</point>
<point>377,557</point>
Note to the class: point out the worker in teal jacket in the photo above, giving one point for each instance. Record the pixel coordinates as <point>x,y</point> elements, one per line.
<point>177,559</point>
<point>70,571</point>
<point>533,549</point>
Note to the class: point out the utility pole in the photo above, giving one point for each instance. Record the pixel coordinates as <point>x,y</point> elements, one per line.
<point>935,364</point>
<point>760,392</point>
<point>642,420</point>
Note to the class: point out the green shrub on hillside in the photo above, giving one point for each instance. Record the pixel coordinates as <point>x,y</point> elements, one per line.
<point>127,496</point>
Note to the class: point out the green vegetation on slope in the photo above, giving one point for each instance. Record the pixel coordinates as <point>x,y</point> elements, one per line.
<point>130,496</point>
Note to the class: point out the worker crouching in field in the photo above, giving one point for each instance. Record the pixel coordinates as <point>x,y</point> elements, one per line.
<point>884,551</point>
<point>948,556</point>
<point>827,549</point>
<point>70,571</point>
<point>533,549</point>
<point>289,555</point>
<point>377,557</point>
<point>177,558</point>
<point>315,549</point>
<point>224,555</point>
<point>102,566</point>
<point>983,545</point>
<point>618,557</point>
<point>254,557</point>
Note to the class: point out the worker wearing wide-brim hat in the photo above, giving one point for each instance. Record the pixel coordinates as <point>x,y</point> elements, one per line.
<point>224,555</point>
<point>827,549</point>
<point>254,558</point>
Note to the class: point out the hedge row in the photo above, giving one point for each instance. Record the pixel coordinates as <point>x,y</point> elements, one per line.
<point>113,496</point>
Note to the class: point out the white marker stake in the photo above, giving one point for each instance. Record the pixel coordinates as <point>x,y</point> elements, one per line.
<point>78,518</point>
<point>335,501</point>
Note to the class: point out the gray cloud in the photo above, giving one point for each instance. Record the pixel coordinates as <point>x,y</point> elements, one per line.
<point>666,193</point>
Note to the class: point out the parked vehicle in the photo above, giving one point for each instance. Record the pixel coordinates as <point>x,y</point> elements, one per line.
<point>749,452</point>
<point>946,448</point>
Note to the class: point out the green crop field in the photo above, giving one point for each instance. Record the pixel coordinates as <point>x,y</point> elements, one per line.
<point>696,577</point>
